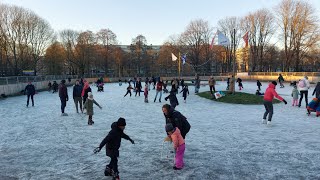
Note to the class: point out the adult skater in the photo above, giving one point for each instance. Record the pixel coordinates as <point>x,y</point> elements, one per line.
<point>267,102</point>
<point>138,86</point>
<point>197,84</point>
<point>212,83</point>
<point>55,86</point>
<point>304,86</point>
<point>176,119</point>
<point>30,90</point>
<point>316,90</point>
<point>159,90</point>
<point>85,90</point>
<point>128,90</point>
<point>77,90</point>
<point>113,143</point>
<point>63,94</point>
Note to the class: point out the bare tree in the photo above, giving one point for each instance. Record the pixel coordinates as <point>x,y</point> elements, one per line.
<point>195,40</point>
<point>300,30</point>
<point>69,41</point>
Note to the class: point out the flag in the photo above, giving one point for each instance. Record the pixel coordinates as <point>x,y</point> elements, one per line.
<point>246,38</point>
<point>174,58</point>
<point>222,39</point>
<point>184,58</point>
<point>212,42</point>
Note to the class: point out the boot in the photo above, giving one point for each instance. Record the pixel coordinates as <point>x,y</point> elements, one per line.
<point>108,171</point>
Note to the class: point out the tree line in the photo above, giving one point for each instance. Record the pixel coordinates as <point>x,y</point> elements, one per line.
<point>285,38</point>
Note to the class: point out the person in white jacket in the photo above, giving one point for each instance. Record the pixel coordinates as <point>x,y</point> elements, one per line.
<point>304,86</point>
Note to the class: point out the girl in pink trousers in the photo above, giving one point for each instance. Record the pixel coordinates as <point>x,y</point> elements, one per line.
<point>178,144</point>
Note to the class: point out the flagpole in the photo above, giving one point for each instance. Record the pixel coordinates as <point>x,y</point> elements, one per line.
<point>179,64</point>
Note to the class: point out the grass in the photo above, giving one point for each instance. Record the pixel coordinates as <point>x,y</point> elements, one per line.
<point>237,98</point>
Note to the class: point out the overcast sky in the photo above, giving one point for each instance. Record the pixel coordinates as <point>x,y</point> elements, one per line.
<point>155,19</point>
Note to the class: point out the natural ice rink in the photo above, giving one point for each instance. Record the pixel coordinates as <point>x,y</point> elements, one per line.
<point>226,141</point>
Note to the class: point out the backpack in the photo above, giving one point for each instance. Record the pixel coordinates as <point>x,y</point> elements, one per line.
<point>302,83</point>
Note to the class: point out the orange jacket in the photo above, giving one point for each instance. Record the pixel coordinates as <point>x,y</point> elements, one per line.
<point>177,138</point>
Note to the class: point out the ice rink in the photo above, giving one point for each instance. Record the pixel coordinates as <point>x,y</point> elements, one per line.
<point>226,141</point>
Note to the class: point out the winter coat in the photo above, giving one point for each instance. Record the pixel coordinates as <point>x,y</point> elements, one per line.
<point>159,86</point>
<point>176,138</point>
<point>178,120</point>
<point>185,91</point>
<point>146,91</point>
<point>317,90</point>
<point>77,89</point>
<point>88,105</point>
<point>280,78</point>
<point>295,93</point>
<point>85,94</point>
<point>63,91</point>
<point>212,82</point>
<point>271,93</point>
<point>313,105</point>
<point>197,83</point>
<point>306,83</point>
<point>173,98</point>
<point>259,83</point>
<point>30,89</point>
<point>84,89</point>
<point>113,140</point>
<point>138,85</point>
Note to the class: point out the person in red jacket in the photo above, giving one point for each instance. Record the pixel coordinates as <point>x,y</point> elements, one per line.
<point>159,90</point>
<point>267,101</point>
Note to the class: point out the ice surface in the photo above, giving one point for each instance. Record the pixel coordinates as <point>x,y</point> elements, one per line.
<point>226,141</point>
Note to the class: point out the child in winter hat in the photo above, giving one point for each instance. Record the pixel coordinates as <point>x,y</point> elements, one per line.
<point>178,145</point>
<point>88,105</point>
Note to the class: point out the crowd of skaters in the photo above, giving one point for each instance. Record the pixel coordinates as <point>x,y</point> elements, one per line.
<point>176,125</point>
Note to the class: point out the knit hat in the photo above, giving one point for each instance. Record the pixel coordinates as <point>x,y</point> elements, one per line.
<point>121,122</point>
<point>274,83</point>
<point>90,96</point>
<point>169,127</point>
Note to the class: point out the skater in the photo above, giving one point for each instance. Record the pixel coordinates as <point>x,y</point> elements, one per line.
<point>185,90</point>
<point>314,106</point>
<point>267,102</point>
<point>281,80</point>
<point>182,83</point>
<point>212,83</point>
<point>49,86</point>
<point>63,94</point>
<point>304,86</point>
<point>55,86</point>
<point>77,89</point>
<point>165,84</point>
<point>197,84</point>
<point>173,99</point>
<point>228,83</point>
<point>85,90</point>
<point>146,93</point>
<point>178,144</point>
<point>295,96</point>
<point>159,90</point>
<point>30,90</point>
<point>113,143</point>
<point>128,90</point>
<point>259,85</point>
<point>239,81</point>
<point>138,87</point>
<point>176,119</point>
<point>316,90</point>
<point>120,82</point>
<point>88,105</point>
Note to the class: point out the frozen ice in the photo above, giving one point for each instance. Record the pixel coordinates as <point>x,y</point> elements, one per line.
<point>226,141</point>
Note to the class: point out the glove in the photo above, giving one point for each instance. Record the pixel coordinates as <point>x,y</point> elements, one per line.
<point>167,139</point>
<point>100,107</point>
<point>285,102</point>
<point>96,150</point>
<point>67,99</point>
<point>132,141</point>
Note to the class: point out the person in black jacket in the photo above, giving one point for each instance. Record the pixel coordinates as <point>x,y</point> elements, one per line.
<point>316,90</point>
<point>173,99</point>
<point>176,119</point>
<point>113,143</point>
<point>77,90</point>
<point>138,87</point>
<point>185,91</point>
<point>30,91</point>
<point>63,94</point>
<point>55,86</point>
<point>259,85</point>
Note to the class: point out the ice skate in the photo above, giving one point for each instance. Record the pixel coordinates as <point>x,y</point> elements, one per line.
<point>108,171</point>
<point>264,121</point>
<point>269,123</point>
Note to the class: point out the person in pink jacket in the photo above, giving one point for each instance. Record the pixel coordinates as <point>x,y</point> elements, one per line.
<point>267,101</point>
<point>178,145</point>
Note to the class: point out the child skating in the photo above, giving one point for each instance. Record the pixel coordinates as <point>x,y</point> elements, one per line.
<point>146,92</point>
<point>185,91</point>
<point>113,143</point>
<point>295,96</point>
<point>88,105</point>
<point>178,145</point>
<point>128,90</point>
